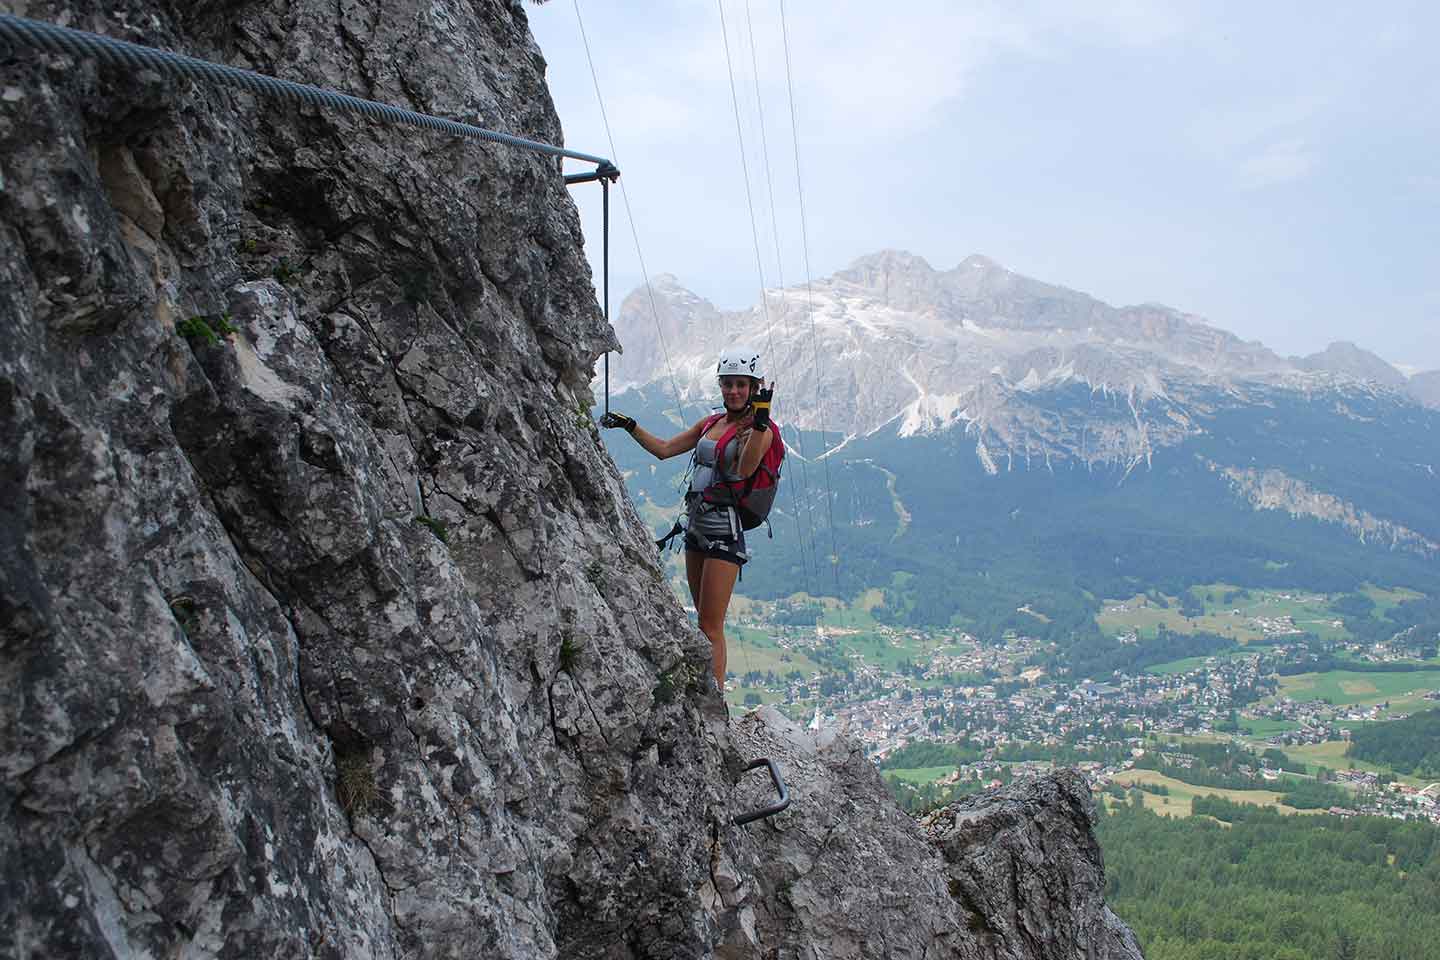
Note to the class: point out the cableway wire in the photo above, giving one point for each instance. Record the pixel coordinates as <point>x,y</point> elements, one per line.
<point>780,279</point>
<point>809,299</point>
<point>630,217</point>
<point>759,262</point>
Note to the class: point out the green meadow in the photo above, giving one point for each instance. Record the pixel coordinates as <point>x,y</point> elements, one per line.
<point>1179,801</point>
<point>919,776</point>
<point>1403,691</point>
<point>1241,617</point>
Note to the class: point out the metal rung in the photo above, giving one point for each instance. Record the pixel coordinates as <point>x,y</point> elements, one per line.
<point>773,808</point>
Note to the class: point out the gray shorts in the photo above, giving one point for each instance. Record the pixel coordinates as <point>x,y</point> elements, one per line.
<point>717,534</point>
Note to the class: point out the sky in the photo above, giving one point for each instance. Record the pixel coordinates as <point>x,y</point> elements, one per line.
<point>1271,167</point>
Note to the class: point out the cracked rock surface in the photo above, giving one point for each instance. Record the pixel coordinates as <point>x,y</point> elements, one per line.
<point>1004,875</point>
<point>326,628</point>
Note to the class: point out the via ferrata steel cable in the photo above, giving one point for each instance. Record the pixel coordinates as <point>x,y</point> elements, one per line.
<point>65,41</point>
<point>634,232</point>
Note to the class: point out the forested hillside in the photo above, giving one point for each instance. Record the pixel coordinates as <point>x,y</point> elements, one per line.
<point>1238,882</point>
<point>1410,746</point>
<point>951,543</point>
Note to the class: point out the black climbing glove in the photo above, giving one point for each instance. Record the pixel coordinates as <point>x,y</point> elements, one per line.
<point>613,419</point>
<point>762,408</point>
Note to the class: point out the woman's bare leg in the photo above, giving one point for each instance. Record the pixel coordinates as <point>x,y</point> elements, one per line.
<point>717,583</point>
<point>694,563</point>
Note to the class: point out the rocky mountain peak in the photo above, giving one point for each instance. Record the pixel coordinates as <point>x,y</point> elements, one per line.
<point>978,261</point>
<point>1347,359</point>
<point>885,263</point>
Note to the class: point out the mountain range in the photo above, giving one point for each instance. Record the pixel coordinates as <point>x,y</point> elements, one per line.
<point>891,338</point>
<point>975,419</point>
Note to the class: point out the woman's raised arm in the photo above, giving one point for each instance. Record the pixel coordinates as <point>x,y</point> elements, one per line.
<point>682,442</point>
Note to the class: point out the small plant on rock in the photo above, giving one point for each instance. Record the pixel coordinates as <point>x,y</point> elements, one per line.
<point>675,680</point>
<point>434,526</point>
<point>196,327</point>
<point>207,328</point>
<point>284,272</point>
<point>355,787</point>
<point>569,652</point>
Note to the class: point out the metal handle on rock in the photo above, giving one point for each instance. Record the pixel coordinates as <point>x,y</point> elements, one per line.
<point>773,808</point>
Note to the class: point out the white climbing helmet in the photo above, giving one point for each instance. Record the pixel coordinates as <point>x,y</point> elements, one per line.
<point>740,360</point>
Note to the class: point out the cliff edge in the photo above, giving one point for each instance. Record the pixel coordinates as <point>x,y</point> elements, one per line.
<point>327,627</point>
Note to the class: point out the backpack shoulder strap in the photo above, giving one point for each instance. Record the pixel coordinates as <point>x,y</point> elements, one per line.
<point>709,421</point>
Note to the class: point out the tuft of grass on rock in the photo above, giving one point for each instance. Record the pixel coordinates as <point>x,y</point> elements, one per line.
<point>207,328</point>
<point>355,786</point>
<point>569,652</point>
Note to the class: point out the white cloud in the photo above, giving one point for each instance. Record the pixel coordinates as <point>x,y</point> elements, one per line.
<point>891,73</point>
<point>1277,163</point>
<point>1034,122</point>
<point>1233,128</point>
<point>1261,143</point>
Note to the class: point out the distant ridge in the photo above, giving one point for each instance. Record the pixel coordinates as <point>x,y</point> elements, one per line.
<point>895,338</point>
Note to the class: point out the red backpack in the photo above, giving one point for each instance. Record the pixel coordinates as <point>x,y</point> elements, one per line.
<point>752,497</point>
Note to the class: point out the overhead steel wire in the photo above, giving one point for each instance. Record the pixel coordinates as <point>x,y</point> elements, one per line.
<point>759,260</point>
<point>780,276</point>
<point>809,296</point>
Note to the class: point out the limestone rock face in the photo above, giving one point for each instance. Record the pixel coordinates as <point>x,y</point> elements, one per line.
<point>1010,874</point>
<point>1348,359</point>
<point>326,628</point>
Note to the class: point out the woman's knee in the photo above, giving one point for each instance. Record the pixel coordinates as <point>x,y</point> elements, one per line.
<point>713,627</point>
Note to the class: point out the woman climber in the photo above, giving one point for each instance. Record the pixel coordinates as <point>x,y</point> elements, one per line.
<point>714,534</point>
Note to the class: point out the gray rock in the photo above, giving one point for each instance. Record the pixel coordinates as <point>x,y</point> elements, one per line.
<point>843,873</point>
<point>325,625</point>
<point>1346,358</point>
